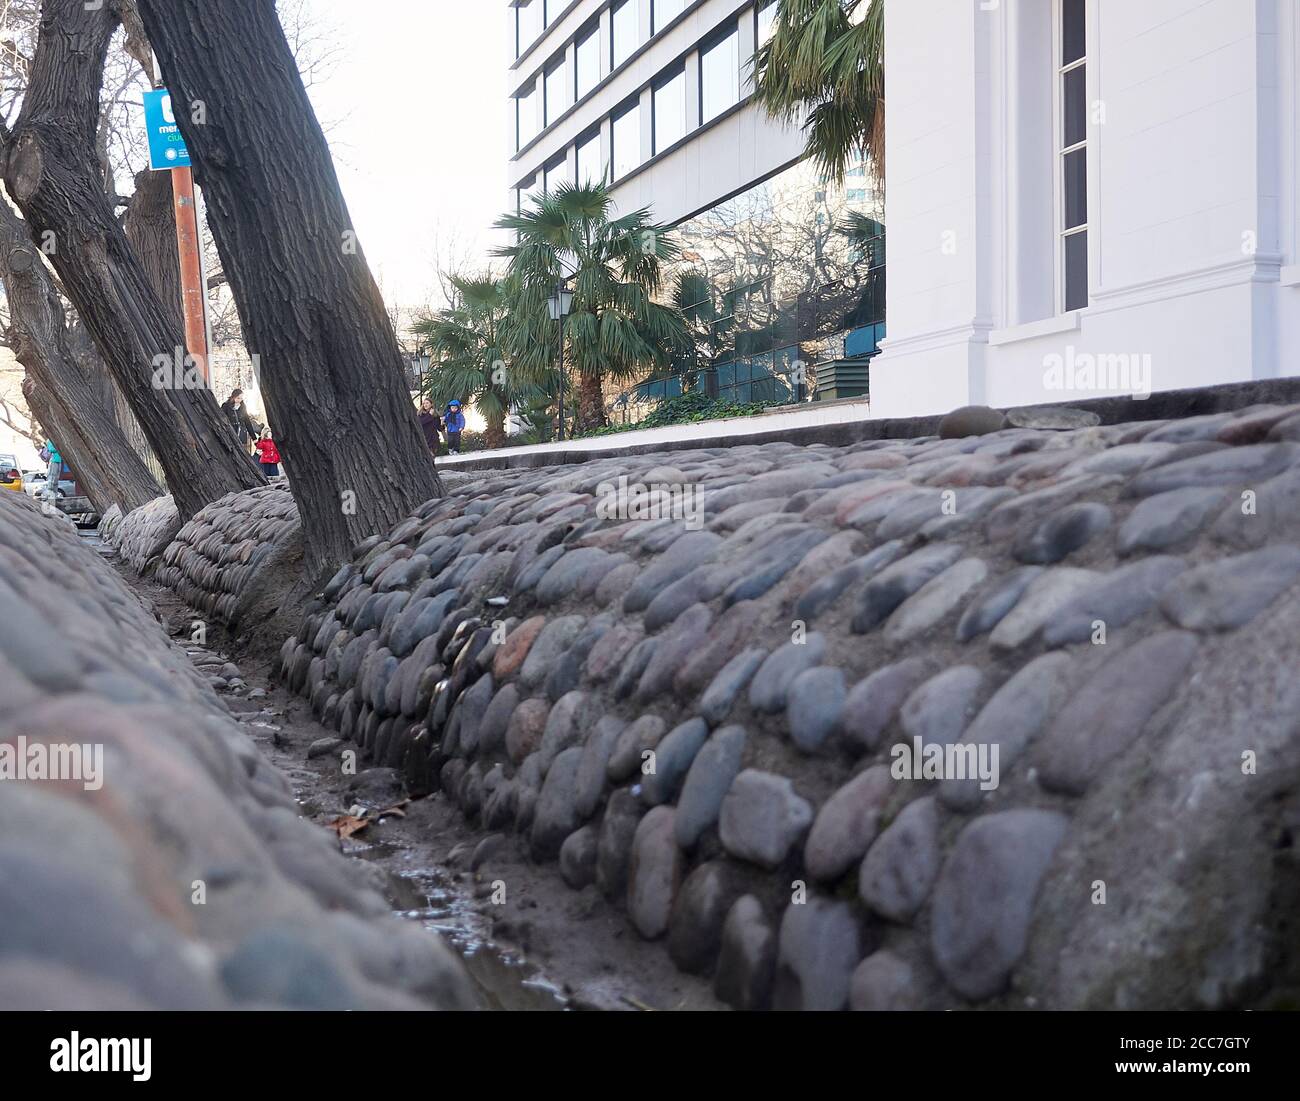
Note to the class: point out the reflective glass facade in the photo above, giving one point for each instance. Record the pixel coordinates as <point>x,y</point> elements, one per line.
<point>790,271</point>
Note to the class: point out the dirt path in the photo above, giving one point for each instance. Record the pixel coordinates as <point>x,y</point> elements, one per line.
<point>541,946</point>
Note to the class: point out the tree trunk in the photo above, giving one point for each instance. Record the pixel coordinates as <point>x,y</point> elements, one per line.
<point>494,432</point>
<point>591,402</point>
<point>57,389</point>
<point>150,226</point>
<point>51,172</point>
<point>332,374</point>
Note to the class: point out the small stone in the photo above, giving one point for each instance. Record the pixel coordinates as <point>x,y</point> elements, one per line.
<point>1229,593</point>
<point>578,858</point>
<point>813,706</point>
<point>1043,597</point>
<point>495,722</point>
<point>820,946</point>
<point>1168,518</point>
<point>1052,418</point>
<point>935,600</point>
<point>655,873</point>
<point>847,824</point>
<point>993,605</point>
<point>716,703</point>
<point>938,711</point>
<point>971,420</point>
<point>874,701</point>
<point>769,687</point>
<point>1112,708</point>
<point>762,818</point>
<point>556,637</point>
<point>515,648</point>
<point>487,850</point>
<point>592,775</point>
<point>673,758</point>
<point>566,726</point>
<point>881,983</point>
<point>747,959</point>
<point>888,589</point>
<point>825,592</point>
<point>614,847</point>
<point>1018,712</point>
<point>984,899</point>
<point>695,932</point>
<point>555,816</point>
<point>900,868</point>
<point>674,650</point>
<point>628,754</point>
<point>323,747</point>
<point>1114,599</point>
<point>710,777</point>
<point>690,550</point>
<point>576,573</point>
<point>527,724</point>
<point>1231,466</point>
<point>1062,533</point>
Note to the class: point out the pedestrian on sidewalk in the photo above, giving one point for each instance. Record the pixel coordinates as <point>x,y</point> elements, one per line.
<point>268,454</point>
<point>454,421</point>
<point>50,453</point>
<point>244,427</point>
<point>432,425</point>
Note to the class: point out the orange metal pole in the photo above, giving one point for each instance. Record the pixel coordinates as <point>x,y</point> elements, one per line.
<point>193,293</point>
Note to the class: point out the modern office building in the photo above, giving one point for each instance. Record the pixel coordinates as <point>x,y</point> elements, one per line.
<point>656,97</point>
<point>1088,197</point>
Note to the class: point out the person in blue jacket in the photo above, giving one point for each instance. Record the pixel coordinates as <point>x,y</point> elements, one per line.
<point>453,422</point>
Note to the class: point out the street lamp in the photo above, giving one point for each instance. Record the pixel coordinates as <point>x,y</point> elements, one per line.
<point>558,307</point>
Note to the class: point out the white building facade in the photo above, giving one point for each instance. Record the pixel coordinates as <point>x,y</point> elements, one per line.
<point>1088,198</point>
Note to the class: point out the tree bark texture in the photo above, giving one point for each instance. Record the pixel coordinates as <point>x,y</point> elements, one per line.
<point>57,388</point>
<point>51,173</point>
<point>331,372</point>
<point>150,226</point>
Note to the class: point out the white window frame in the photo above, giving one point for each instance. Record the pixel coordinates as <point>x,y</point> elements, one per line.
<point>1059,153</point>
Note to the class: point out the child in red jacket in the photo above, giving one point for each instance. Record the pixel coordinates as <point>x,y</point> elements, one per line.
<point>268,454</point>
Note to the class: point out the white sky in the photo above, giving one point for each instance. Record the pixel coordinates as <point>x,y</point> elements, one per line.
<point>416,116</point>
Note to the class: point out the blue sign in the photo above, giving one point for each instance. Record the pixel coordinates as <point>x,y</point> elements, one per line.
<point>166,146</point>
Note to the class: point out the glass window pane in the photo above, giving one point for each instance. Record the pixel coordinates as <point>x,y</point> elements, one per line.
<point>587,63</point>
<point>590,167</point>
<point>623,26</point>
<point>766,22</point>
<point>627,141</point>
<point>665,11</point>
<point>526,105</point>
<point>1076,271</point>
<point>670,112</point>
<point>1074,107</point>
<point>556,174</point>
<point>1073,25</point>
<point>557,98</point>
<point>719,77</point>
<point>529,193</point>
<point>530,16</point>
<point>1076,188</point>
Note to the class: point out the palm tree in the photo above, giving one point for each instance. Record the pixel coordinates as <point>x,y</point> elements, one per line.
<point>825,63</point>
<point>614,266</point>
<point>468,349</point>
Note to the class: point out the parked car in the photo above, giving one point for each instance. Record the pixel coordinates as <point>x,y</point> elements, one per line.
<point>10,476</point>
<point>34,485</point>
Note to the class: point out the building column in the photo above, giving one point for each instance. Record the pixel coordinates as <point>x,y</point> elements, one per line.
<point>940,215</point>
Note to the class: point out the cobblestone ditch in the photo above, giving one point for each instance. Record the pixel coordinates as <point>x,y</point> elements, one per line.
<point>142,534</point>
<point>1003,720</point>
<point>150,857</point>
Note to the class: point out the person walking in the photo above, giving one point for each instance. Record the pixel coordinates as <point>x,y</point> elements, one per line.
<point>454,421</point>
<point>246,429</point>
<point>431,423</point>
<point>50,453</point>
<point>268,455</point>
